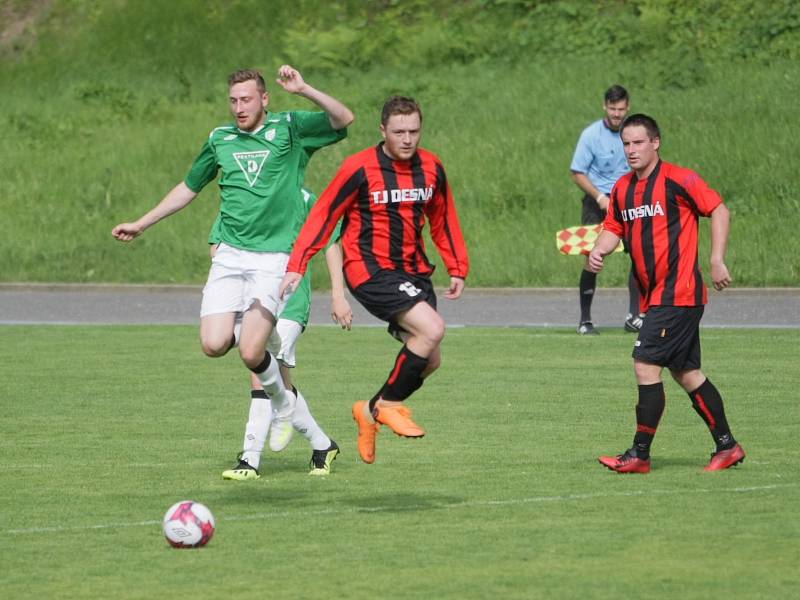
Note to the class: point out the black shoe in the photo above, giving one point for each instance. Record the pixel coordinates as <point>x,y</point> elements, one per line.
<point>586,328</point>
<point>321,460</point>
<point>634,323</point>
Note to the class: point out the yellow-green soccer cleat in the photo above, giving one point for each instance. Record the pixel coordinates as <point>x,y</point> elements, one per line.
<point>281,428</point>
<point>321,460</point>
<point>241,472</point>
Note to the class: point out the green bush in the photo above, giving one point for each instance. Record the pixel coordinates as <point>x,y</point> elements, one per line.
<point>106,104</point>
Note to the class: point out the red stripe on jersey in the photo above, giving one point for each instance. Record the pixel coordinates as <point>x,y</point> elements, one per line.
<point>385,203</point>
<point>657,218</point>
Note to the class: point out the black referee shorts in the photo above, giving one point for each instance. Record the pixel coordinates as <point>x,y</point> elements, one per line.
<point>670,337</point>
<point>389,293</point>
<point>591,213</point>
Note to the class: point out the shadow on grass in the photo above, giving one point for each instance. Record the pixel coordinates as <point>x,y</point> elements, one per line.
<point>406,502</point>
<point>672,463</point>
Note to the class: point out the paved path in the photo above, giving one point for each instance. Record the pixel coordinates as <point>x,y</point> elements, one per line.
<point>529,307</point>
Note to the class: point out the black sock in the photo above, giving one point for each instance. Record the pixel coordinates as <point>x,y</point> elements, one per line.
<point>707,402</point>
<point>405,378</point>
<point>648,414</point>
<point>258,394</point>
<point>406,375</point>
<point>633,295</point>
<point>587,286</point>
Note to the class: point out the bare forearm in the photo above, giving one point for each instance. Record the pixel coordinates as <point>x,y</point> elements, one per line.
<point>335,260</point>
<point>720,226</point>
<point>339,115</point>
<point>177,198</point>
<point>606,243</point>
<point>586,186</point>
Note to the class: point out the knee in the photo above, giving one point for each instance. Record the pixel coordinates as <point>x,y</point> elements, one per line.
<point>646,373</point>
<point>250,357</point>
<point>435,330</point>
<point>215,348</point>
<point>689,380</point>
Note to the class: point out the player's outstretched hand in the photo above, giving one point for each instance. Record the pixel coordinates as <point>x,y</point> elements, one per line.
<point>720,276</point>
<point>289,284</point>
<point>125,232</point>
<point>341,312</point>
<point>456,288</point>
<point>290,79</point>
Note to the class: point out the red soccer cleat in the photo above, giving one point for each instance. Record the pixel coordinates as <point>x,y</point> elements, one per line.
<point>626,462</point>
<point>725,459</point>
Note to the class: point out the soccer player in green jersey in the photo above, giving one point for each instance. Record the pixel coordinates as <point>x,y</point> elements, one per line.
<point>261,159</point>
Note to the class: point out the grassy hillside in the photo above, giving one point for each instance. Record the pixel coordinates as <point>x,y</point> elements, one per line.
<point>106,104</point>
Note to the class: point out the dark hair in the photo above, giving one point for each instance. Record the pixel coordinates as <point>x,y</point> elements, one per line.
<point>400,105</point>
<point>243,75</point>
<point>649,123</point>
<point>616,93</point>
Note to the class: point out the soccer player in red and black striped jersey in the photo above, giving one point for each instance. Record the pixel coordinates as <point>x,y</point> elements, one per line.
<point>384,195</point>
<point>655,208</point>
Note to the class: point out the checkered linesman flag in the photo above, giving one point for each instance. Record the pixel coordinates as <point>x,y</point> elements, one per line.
<point>580,239</point>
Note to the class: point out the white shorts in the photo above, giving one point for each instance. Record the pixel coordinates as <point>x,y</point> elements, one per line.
<point>238,278</point>
<point>282,343</point>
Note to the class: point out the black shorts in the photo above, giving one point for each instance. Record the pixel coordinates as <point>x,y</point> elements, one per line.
<point>591,213</point>
<point>388,293</point>
<point>670,337</point>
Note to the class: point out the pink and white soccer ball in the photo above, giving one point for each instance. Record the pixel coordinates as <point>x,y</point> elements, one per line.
<point>188,524</point>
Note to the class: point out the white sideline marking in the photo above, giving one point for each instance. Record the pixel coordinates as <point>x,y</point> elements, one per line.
<point>450,505</point>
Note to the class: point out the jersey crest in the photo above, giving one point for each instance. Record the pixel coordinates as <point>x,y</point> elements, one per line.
<point>251,164</point>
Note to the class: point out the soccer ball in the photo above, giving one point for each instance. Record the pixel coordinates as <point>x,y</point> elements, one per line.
<point>188,524</point>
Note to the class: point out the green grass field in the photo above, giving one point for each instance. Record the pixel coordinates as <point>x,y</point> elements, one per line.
<point>105,427</point>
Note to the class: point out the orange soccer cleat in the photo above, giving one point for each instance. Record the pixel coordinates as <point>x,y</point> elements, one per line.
<point>398,419</point>
<point>367,432</point>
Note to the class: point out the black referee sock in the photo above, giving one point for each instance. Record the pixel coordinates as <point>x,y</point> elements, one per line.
<point>587,286</point>
<point>707,402</point>
<point>648,414</point>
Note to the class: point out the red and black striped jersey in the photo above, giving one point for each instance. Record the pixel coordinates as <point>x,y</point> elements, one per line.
<point>383,204</point>
<point>657,219</point>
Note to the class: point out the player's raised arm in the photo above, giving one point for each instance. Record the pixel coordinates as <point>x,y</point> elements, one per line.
<point>177,198</point>
<point>292,81</point>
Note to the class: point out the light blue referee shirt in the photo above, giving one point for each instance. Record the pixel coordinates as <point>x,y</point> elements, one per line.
<point>599,155</point>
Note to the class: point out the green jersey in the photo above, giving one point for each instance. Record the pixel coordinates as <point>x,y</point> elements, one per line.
<point>261,205</point>
<point>298,307</point>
